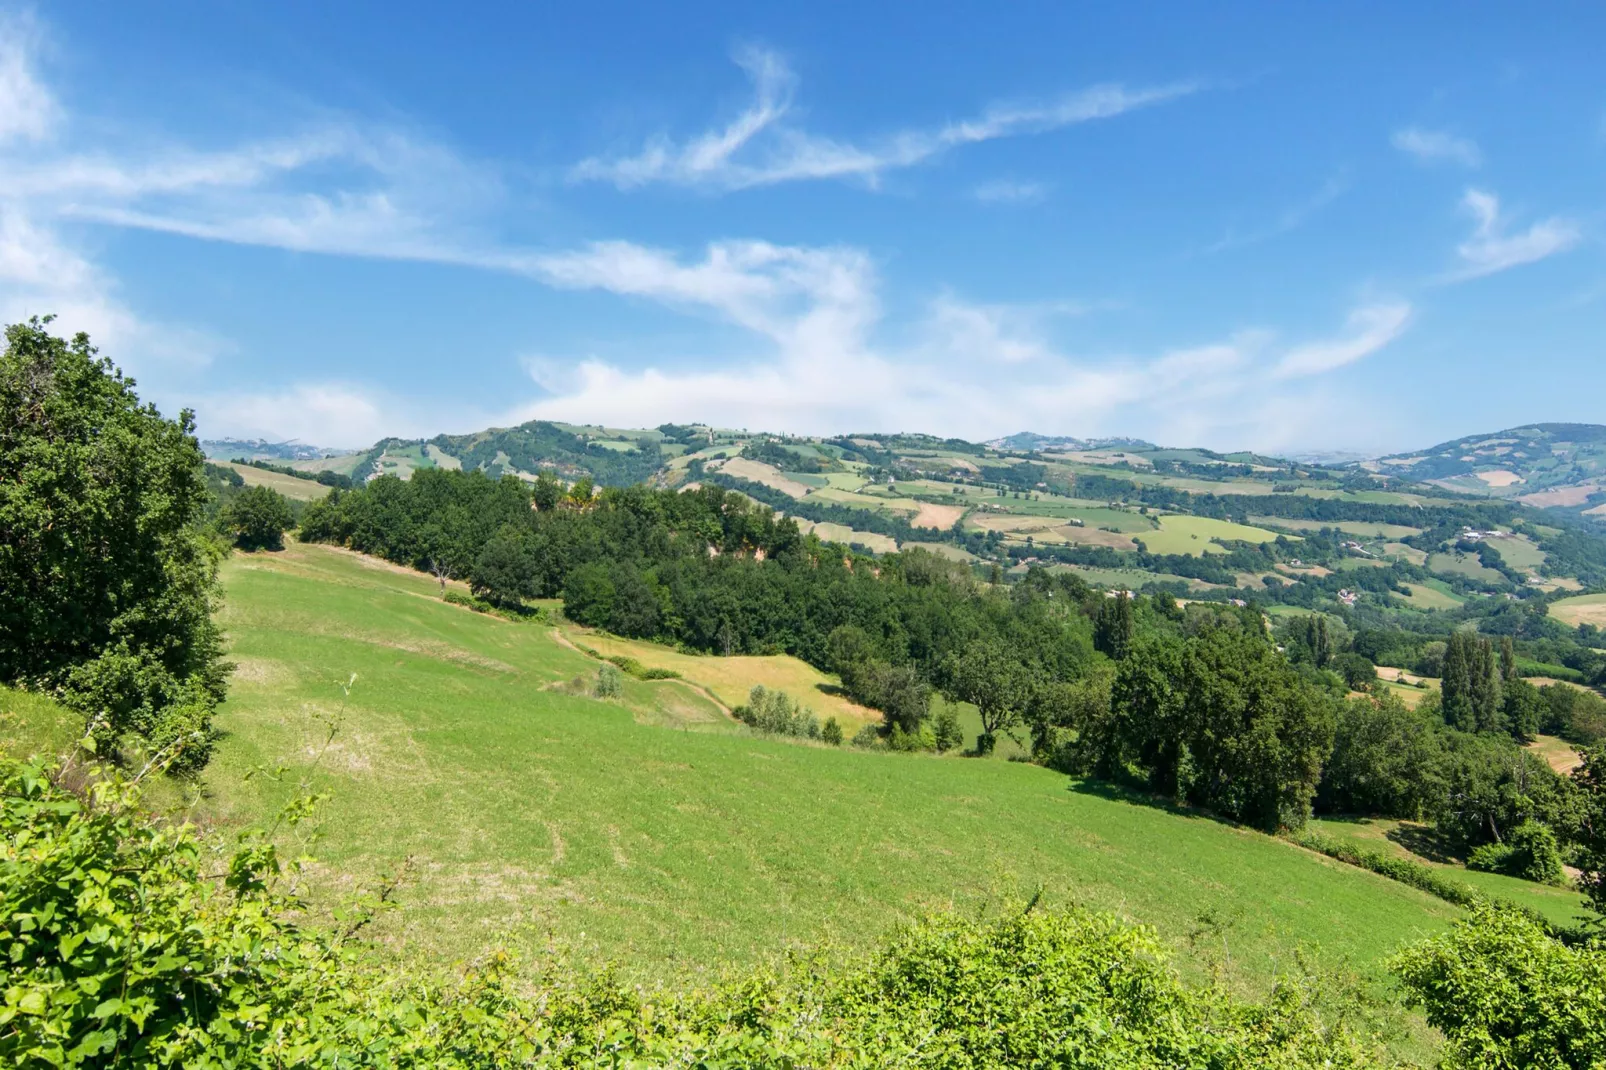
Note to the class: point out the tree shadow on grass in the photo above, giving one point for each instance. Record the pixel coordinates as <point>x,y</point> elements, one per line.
<point>1426,842</point>
<point>1126,793</point>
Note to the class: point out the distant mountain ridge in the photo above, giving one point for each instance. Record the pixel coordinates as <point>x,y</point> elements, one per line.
<point>1549,465</point>
<point>1552,465</point>
<point>260,449</point>
<point>1027,441</point>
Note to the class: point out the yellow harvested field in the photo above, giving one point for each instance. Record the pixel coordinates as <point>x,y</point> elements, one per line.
<point>1582,609</point>
<point>881,544</point>
<point>1561,495</point>
<point>1557,753</point>
<point>1500,477</point>
<point>1388,672</point>
<point>1014,522</point>
<point>730,679</point>
<point>941,517</point>
<point>302,490</point>
<point>1086,536</point>
<point>759,472</point>
<point>1305,570</point>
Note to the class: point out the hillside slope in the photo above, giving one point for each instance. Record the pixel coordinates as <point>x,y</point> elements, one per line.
<point>1546,465</point>
<point>537,814</point>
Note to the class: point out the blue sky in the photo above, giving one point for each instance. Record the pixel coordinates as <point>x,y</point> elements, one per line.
<point>1285,227</point>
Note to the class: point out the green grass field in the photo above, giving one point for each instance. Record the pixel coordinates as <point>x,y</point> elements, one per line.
<point>533,816</point>
<point>1463,565</point>
<point>1561,905</point>
<point>1520,552</point>
<point>1432,595</point>
<point>1181,534</point>
<point>1358,528</point>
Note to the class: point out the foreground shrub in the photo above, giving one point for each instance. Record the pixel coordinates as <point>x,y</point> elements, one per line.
<point>124,951</point>
<point>1505,994</point>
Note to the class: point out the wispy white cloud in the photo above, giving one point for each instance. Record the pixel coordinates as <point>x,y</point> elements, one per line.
<point>1437,146</point>
<point>1290,219</point>
<point>1369,329</point>
<point>1008,191</point>
<point>969,369</point>
<point>760,147</point>
<point>818,356</point>
<point>1491,249</point>
<point>28,110</point>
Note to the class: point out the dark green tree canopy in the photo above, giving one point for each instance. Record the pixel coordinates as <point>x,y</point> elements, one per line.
<point>257,518</point>
<point>107,582</point>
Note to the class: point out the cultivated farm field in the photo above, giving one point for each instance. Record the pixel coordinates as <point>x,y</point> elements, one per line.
<point>1581,609</point>
<point>301,490</point>
<point>1183,534</point>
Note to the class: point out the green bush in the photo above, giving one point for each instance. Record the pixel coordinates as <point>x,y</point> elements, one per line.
<point>946,733</point>
<point>1505,994</point>
<point>458,598</point>
<point>775,713</point>
<point>831,732</point>
<point>1491,858</point>
<point>1531,852</point>
<point>631,667</point>
<point>610,682</point>
<point>125,951</point>
<point>868,737</point>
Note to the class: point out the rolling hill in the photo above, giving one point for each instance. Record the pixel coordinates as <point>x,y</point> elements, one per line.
<point>657,832</point>
<point>1546,465</point>
<point>1390,537</point>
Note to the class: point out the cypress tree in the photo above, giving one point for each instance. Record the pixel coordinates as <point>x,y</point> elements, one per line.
<point>1455,686</point>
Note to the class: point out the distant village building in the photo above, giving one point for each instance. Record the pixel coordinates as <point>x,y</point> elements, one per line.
<point>1348,597</point>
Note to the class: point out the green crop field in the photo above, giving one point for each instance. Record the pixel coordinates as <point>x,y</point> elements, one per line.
<point>1181,534</point>
<point>533,816</point>
<point>1432,595</point>
<point>1519,552</point>
<point>1463,565</point>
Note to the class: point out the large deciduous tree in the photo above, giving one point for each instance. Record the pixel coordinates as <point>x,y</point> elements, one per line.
<point>107,581</point>
<point>257,518</point>
<point>990,677</point>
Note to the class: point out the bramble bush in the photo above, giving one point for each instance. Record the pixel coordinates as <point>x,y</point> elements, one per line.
<point>126,949</point>
<point>1506,994</point>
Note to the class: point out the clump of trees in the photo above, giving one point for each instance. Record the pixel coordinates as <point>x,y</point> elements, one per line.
<point>256,519</point>
<point>108,574</point>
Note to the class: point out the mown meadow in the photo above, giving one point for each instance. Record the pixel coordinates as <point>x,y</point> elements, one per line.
<point>534,816</point>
